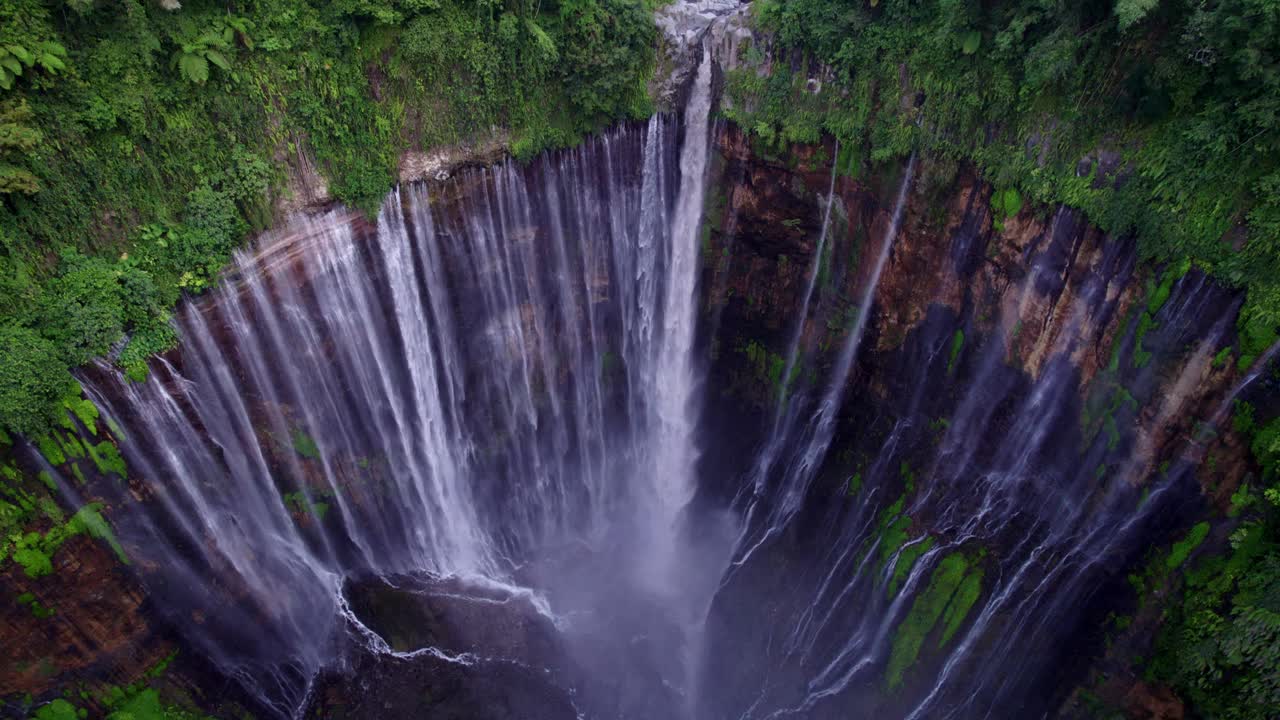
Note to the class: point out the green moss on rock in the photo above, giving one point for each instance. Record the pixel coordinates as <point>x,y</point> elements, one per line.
<point>954,587</point>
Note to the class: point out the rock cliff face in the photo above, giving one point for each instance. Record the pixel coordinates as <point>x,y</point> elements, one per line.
<point>95,622</point>
<point>1031,348</point>
<point>1044,278</point>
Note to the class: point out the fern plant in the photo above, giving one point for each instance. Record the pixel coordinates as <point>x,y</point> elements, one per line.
<point>17,140</point>
<point>16,59</point>
<point>194,56</point>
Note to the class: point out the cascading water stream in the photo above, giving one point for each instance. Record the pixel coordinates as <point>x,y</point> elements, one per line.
<point>1007,469</point>
<point>674,380</point>
<point>824,422</point>
<point>793,345</point>
<point>787,408</point>
<point>806,444</point>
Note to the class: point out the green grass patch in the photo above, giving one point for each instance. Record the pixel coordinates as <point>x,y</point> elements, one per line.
<point>299,504</point>
<point>961,603</point>
<point>34,550</point>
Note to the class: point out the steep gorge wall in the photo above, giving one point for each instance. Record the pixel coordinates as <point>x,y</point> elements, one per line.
<point>1031,348</point>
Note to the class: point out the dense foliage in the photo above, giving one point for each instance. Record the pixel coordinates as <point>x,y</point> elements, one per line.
<point>141,141</point>
<point>1220,647</point>
<point>1157,118</point>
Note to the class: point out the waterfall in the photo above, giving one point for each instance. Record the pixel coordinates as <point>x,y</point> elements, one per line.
<point>807,442</point>
<point>1007,485</point>
<point>444,390</point>
<point>793,346</point>
<point>674,381</point>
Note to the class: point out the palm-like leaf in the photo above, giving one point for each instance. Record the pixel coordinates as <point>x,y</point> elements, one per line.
<point>194,67</point>
<point>51,63</point>
<point>213,39</point>
<point>21,53</point>
<point>218,59</point>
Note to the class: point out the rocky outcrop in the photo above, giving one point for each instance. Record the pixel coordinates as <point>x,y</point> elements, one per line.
<point>426,648</point>
<point>721,26</point>
<point>424,685</point>
<point>83,633</point>
<point>1045,279</point>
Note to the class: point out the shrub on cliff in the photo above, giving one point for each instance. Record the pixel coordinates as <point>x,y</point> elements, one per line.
<point>1220,644</point>
<point>32,377</point>
<point>82,309</point>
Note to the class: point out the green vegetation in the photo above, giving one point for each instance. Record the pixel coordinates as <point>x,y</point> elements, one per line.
<point>855,484</point>
<point>894,533</point>
<point>146,704</point>
<point>1157,295</point>
<point>1005,204</point>
<point>907,560</point>
<point>769,366</point>
<point>26,506</point>
<point>34,550</point>
<point>141,141</point>
<point>1183,548</point>
<point>305,445</point>
<point>893,529</point>
<point>907,476</point>
<point>1052,102</point>
<point>954,586</point>
<point>59,709</point>
<point>957,344</point>
<point>1220,648</point>
<point>1106,398</point>
<point>961,603</point>
<point>39,610</point>
<point>143,700</point>
<point>301,505</point>
<point>1220,645</point>
<point>1220,360</point>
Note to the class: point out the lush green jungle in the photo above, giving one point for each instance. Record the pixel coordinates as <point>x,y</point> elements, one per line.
<point>143,141</point>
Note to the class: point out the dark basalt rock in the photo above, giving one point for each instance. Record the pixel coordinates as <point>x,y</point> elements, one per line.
<point>414,612</point>
<point>425,686</point>
<point>456,651</point>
